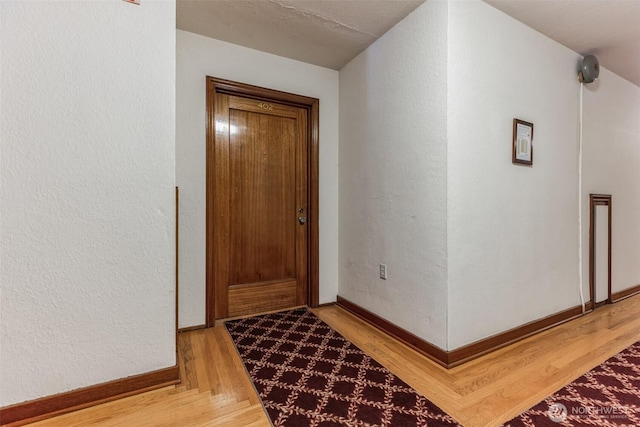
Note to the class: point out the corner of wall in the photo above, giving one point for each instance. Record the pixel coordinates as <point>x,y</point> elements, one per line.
<point>511,258</point>
<point>393,175</point>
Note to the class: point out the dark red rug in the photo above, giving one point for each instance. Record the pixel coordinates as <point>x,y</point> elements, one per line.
<point>608,395</point>
<point>307,374</point>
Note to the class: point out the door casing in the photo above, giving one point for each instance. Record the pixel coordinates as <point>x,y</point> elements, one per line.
<point>311,105</point>
<point>594,201</point>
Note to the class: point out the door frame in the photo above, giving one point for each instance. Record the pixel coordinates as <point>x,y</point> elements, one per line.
<point>594,201</point>
<point>312,106</point>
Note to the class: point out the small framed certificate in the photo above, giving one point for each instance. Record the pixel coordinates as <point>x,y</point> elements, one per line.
<point>522,144</point>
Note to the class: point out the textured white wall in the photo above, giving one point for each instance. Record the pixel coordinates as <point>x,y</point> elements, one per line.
<point>393,172</point>
<point>87,194</point>
<point>198,57</point>
<point>601,225</point>
<point>611,126</point>
<point>512,230</point>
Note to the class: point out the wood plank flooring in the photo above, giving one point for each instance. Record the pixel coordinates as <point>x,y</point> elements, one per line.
<point>488,391</point>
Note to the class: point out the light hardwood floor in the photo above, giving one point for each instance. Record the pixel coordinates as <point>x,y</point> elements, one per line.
<point>488,391</point>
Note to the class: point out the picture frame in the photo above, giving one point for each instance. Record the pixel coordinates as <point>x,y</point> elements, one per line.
<point>522,143</point>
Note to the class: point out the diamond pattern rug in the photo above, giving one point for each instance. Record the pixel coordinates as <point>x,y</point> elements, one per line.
<point>608,395</point>
<point>307,374</point>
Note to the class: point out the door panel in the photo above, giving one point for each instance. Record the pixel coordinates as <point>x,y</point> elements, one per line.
<point>261,297</point>
<point>260,191</point>
<point>262,183</point>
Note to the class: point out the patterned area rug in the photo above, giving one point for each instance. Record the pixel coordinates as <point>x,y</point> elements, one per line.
<point>307,374</point>
<point>608,395</point>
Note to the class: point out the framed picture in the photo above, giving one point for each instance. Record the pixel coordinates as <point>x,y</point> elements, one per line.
<point>522,143</point>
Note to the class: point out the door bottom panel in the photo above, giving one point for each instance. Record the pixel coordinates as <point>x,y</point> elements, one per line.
<point>262,297</point>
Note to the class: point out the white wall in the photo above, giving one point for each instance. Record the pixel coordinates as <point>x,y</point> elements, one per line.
<point>512,230</point>
<point>198,57</point>
<point>393,174</point>
<point>611,126</point>
<point>86,195</point>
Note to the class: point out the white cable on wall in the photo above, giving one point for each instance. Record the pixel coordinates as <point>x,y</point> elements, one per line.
<point>580,278</point>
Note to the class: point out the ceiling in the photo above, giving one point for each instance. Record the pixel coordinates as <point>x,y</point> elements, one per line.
<point>330,33</point>
<point>609,29</point>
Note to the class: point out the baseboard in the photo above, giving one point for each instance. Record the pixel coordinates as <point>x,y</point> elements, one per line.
<point>450,359</point>
<point>49,406</point>
<point>326,304</point>
<point>615,297</point>
<point>601,304</point>
<point>503,339</point>
<point>421,346</point>
<point>191,328</point>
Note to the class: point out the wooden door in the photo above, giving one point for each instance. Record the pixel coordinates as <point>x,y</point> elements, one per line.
<point>259,206</point>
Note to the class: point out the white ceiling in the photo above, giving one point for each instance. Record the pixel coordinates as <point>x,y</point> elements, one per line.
<point>609,29</point>
<point>329,33</point>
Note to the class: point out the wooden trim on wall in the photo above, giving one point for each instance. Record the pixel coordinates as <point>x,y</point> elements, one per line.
<point>191,328</point>
<point>598,200</point>
<point>619,296</point>
<point>49,406</point>
<point>503,339</point>
<point>177,281</point>
<point>421,346</point>
<point>312,105</point>
<point>210,316</point>
<point>313,270</point>
<point>450,359</point>
<point>326,304</point>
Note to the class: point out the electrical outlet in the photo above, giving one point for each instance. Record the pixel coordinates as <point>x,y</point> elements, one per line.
<point>383,271</point>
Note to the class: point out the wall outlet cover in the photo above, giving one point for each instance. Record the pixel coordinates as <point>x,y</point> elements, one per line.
<point>383,271</point>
